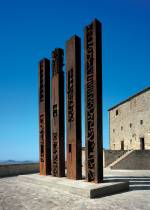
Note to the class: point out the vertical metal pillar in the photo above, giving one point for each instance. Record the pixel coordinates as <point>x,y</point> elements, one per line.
<point>93,102</point>
<point>73,103</point>
<point>44,117</point>
<point>58,157</point>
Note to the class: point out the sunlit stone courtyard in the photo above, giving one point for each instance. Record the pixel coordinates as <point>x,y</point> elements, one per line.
<point>18,195</point>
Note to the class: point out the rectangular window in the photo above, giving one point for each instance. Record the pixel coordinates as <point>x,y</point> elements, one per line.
<point>141,122</point>
<point>116,112</point>
<point>130,125</point>
<point>121,127</point>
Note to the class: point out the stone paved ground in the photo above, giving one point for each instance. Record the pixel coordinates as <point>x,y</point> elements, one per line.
<point>17,195</point>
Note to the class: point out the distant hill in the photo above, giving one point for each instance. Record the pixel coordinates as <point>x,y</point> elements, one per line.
<point>6,162</point>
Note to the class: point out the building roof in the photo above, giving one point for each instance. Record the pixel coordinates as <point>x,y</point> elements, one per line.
<point>130,98</point>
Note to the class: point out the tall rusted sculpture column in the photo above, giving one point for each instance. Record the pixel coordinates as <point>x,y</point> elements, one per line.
<point>93,102</point>
<point>73,103</point>
<point>58,158</point>
<point>44,117</point>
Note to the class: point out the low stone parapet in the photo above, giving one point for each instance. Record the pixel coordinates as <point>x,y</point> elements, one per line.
<point>18,169</point>
<point>111,155</point>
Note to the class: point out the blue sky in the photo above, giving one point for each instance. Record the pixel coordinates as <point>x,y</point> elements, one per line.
<point>31,29</point>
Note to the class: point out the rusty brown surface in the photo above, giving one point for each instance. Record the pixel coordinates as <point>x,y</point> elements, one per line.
<point>93,102</point>
<point>57,115</point>
<point>44,117</point>
<point>73,107</point>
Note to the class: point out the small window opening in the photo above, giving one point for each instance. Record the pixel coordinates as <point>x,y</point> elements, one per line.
<point>141,122</point>
<point>117,112</point>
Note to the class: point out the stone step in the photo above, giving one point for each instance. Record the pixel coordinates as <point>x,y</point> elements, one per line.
<point>135,183</point>
<point>139,183</point>
<point>139,187</point>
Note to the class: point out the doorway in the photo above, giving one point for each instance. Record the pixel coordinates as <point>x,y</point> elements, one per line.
<point>122,145</point>
<point>142,144</point>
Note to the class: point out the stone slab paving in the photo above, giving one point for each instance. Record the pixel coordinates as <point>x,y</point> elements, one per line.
<point>17,195</point>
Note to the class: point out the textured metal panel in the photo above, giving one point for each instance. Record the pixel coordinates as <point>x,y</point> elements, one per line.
<point>44,117</point>
<point>73,103</point>
<point>93,102</point>
<point>58,158</point>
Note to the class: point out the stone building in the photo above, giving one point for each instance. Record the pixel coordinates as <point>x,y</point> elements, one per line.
<point>129,123</point>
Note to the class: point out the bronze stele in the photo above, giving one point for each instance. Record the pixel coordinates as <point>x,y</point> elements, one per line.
<point>44,117</point>
<point>58,157</point>
<point>93,102</point>
<point>73,107</point>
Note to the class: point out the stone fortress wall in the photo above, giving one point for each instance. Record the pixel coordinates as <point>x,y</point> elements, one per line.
<point>129,123</point>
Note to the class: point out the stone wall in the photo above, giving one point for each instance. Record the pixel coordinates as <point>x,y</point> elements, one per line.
<point>111,155</point>
<point>129,122</point>
<point>17,169</point>
<point>137,160</point>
